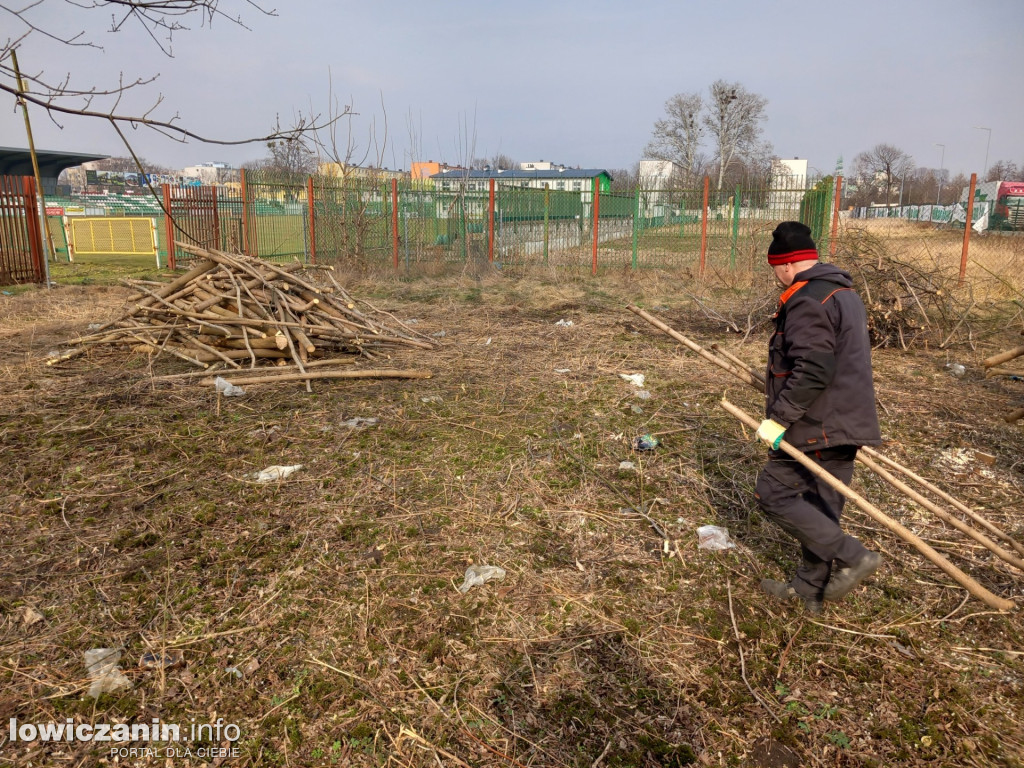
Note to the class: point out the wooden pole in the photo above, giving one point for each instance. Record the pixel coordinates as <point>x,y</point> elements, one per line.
<point>385,373</point>
<point>745,374</point>
<point>942,514</point>
<point>972,586</point>
<point>742,375</point>
<point>1003,357</point>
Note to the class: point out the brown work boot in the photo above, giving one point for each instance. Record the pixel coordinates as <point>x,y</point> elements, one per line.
<point>845,580</point>
<point>783,591</point>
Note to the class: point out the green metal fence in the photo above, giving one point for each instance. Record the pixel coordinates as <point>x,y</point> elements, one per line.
<point>412,226</point>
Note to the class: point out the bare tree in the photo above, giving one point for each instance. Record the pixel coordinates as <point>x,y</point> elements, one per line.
<point>1003,170</point>
<point>61,98</point>
<point>127,164</point>
<point>677,136</point>
<point>498,160</point>
<point>288,158</point>
<point>881,169</point>
<point>734,120</point>
<point>625,180</point>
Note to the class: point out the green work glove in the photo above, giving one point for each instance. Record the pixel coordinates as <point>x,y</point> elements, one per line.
<point>771,432</point>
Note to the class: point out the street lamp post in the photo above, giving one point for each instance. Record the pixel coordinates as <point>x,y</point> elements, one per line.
<point>988,143</point>
<point>942,163</point>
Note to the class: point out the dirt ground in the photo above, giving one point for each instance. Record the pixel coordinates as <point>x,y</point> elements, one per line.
<point>321,615</point>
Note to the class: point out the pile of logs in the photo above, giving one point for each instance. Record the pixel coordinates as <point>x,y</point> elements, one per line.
<point>993,367</point>
<point>231,312</point>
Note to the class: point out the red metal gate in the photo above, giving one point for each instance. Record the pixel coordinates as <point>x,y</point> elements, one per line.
<point>193,219</point>
<point>21,240</point>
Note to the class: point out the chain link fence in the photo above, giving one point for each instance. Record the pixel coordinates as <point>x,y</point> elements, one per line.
<point>718,236</point>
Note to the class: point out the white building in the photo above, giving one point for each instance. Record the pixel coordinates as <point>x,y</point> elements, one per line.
<point>788,185</point>
<point>211,173</point>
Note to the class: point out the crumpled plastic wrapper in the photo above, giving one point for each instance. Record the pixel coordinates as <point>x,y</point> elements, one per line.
<point>481,574</point>
<point>226,388</point>
<point>713,537</point>
<point>276,472</point>
<point>103,670</point>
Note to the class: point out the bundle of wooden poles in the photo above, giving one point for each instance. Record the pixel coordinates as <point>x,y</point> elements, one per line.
<point>234,313</point>
<point>873,460</point>
<point>996,366</point>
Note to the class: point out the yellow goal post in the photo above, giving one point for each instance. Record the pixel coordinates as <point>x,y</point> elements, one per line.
<point>105,235</point>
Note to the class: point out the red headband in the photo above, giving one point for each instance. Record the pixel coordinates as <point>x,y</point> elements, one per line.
<point>808,254</point>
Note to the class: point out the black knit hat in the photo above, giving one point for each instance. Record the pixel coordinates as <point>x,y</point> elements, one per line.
<point>791,241</point>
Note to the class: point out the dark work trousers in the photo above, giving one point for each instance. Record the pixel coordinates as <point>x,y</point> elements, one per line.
<point>808,509</point>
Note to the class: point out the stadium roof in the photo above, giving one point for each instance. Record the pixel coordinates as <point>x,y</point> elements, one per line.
<point>18,162</point>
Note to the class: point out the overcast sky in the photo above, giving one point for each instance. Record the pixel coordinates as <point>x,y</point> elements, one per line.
<point>579,83</point>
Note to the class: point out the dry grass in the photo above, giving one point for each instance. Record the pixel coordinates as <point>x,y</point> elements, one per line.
<point>130,521</point>
<point>995,260</point>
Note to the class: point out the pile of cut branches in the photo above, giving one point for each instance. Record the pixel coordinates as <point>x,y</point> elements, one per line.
<point>908,302</point>
<point>231,311</point>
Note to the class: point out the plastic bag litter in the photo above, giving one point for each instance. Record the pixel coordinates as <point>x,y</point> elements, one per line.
<point>956,369</point>
<point>481,574</point>
<point>360,421</point>
<point>276,472</point>
<point>106,676</point>
<point>636,379</point>
<point>713,537</point>
<point>564,323</point>
<point>627,465</point>
<point>226,388</point>
<point>643,394</point>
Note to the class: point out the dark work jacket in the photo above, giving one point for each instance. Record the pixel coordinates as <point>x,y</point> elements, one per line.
<point>818,382</point>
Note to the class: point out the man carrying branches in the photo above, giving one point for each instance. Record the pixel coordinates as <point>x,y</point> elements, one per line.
<point>820,396</point>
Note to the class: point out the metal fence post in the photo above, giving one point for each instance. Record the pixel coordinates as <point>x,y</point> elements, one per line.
<point>312,220</point>
<point>394,222</point>
<point>490,224</point>
<point>172,262</point>
<point>597,208</point>
<point>704,227</point>
<point>967,228</point>
<point>547,219</point>
<point>735,226</point>
<point>636,223</point>
<point>835,217</point>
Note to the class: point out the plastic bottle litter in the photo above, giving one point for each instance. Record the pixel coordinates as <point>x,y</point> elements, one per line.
<point>645,443</point>
<point>106,676</point>
<point>636,379</point>
<point>713,537</point>
<point>481,574</point>
<point>276,472</point>
<point>226,388</point>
